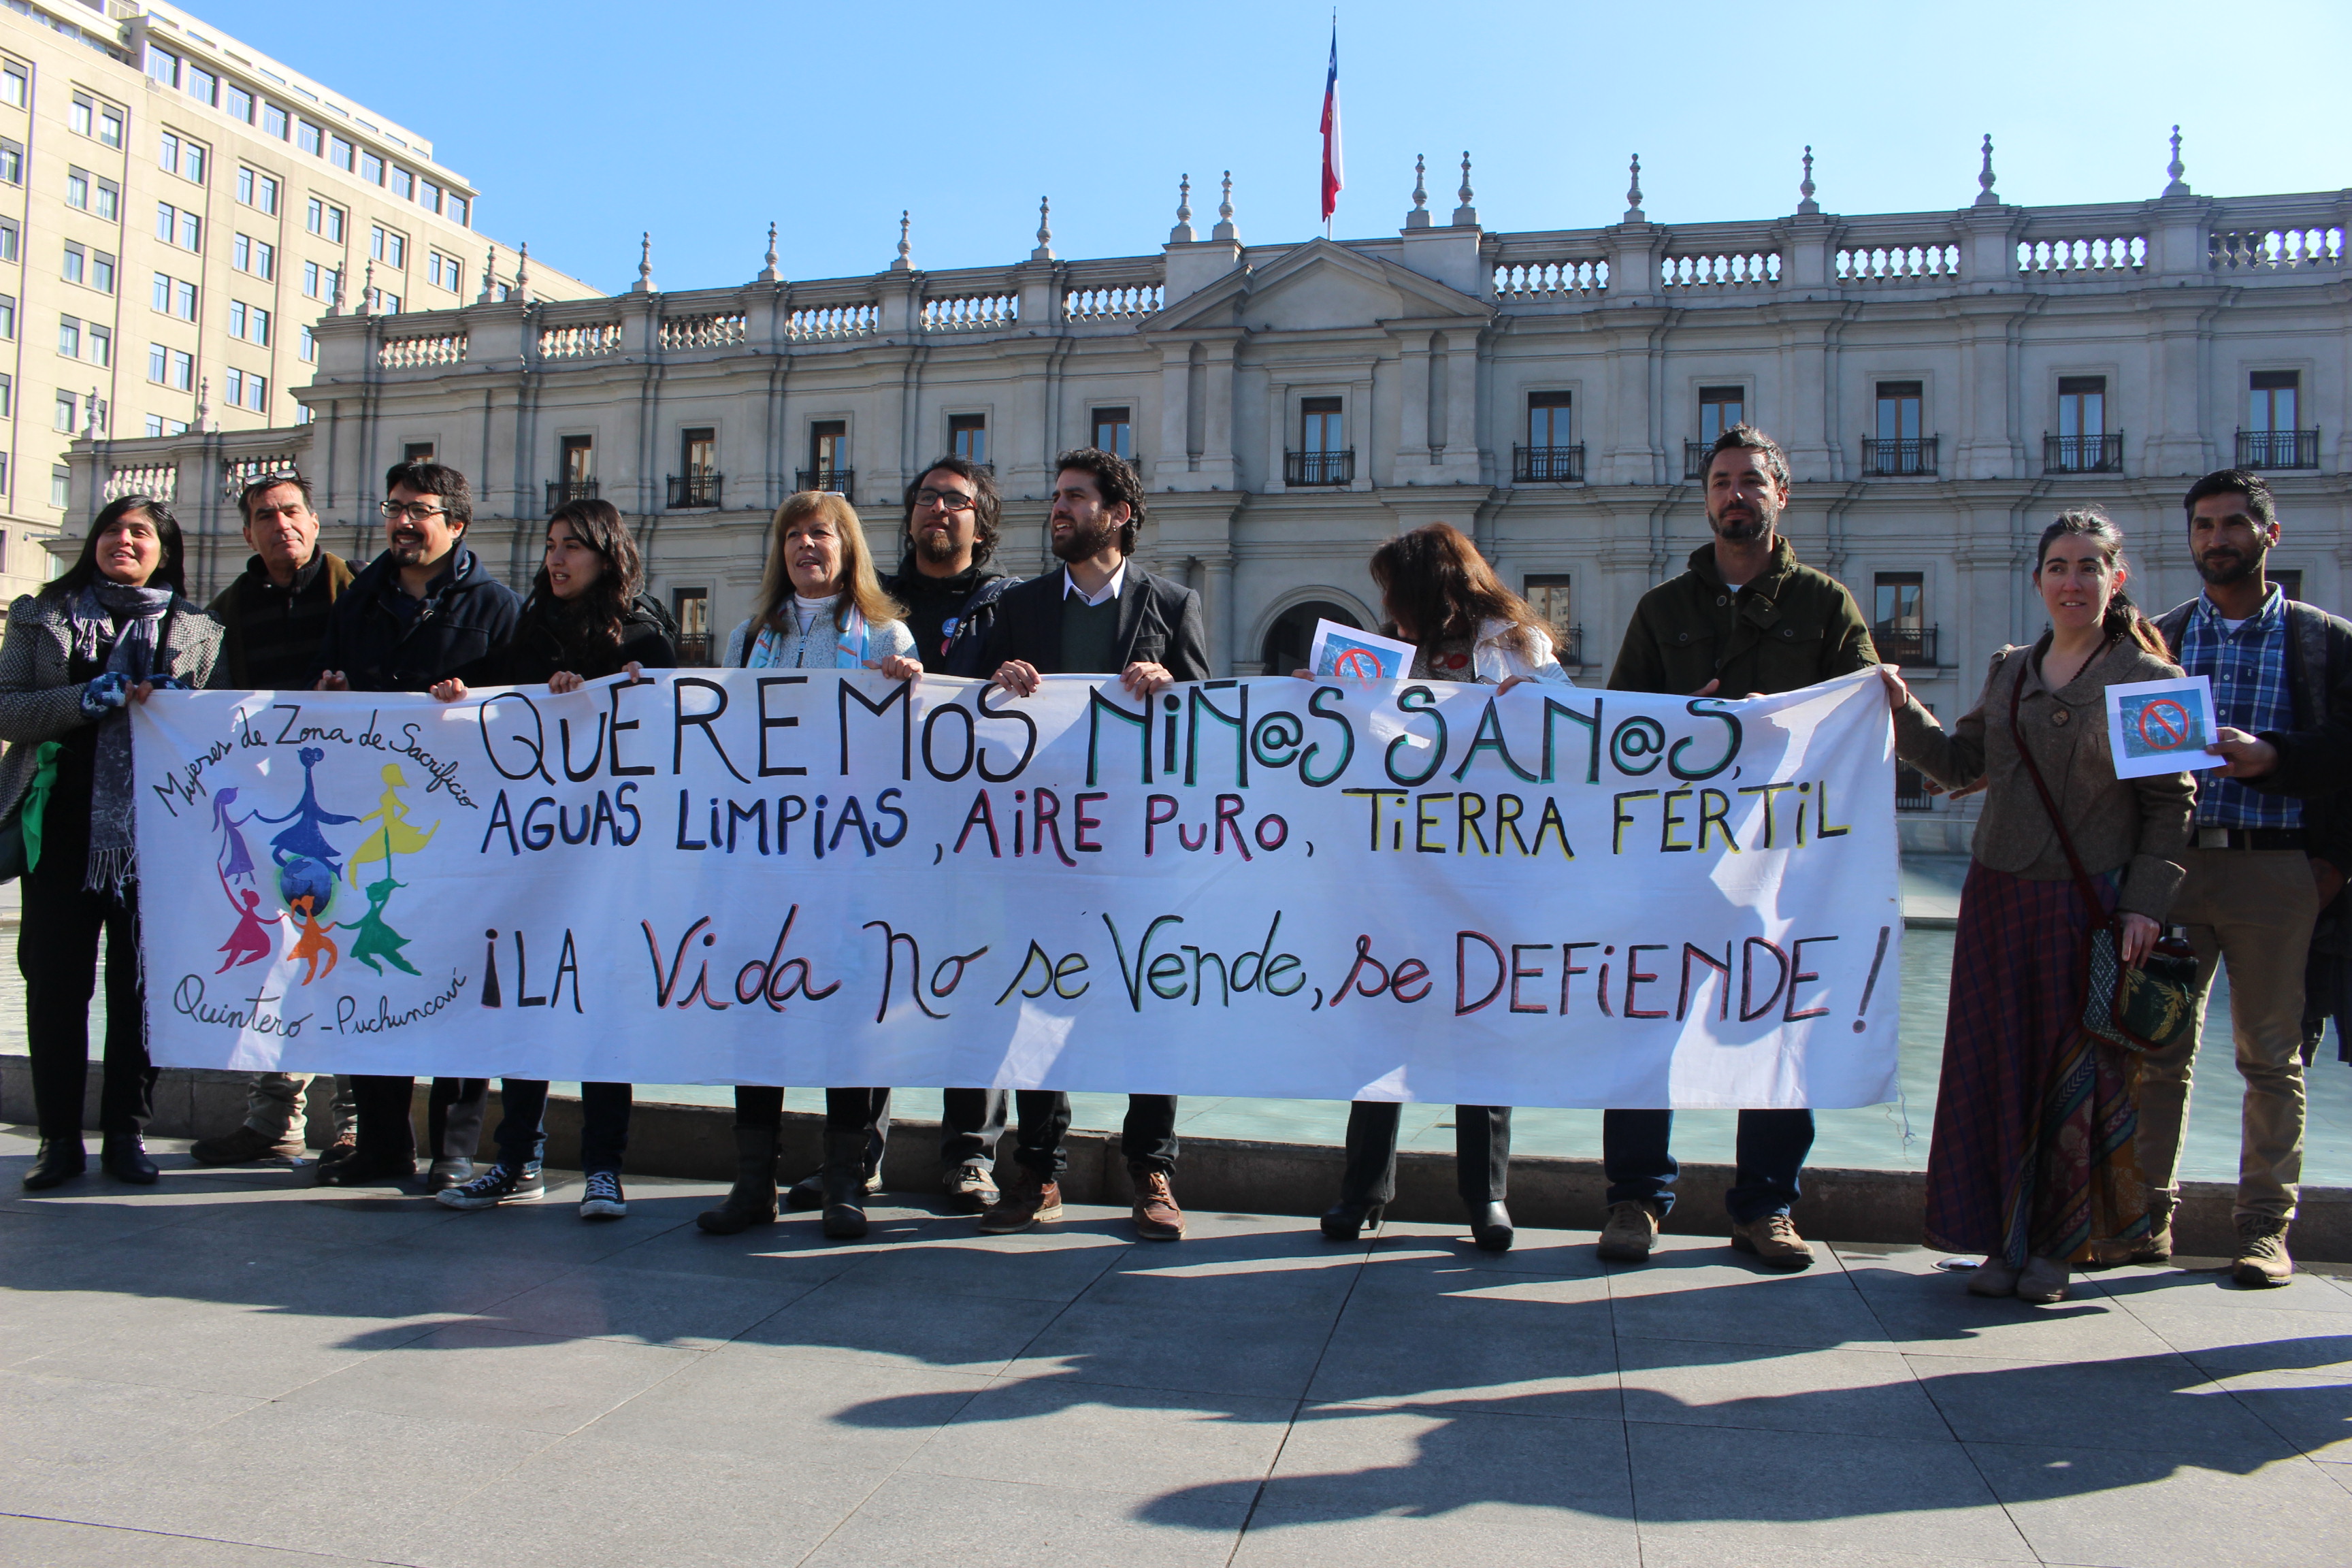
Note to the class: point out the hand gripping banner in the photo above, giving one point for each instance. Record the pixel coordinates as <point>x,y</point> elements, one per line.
<point>1270,887</point>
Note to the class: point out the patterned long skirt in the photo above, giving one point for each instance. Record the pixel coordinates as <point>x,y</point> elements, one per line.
<point>2034,1152</point>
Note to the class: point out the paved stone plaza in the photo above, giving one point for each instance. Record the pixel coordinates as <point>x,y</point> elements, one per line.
<point>231,1369</point>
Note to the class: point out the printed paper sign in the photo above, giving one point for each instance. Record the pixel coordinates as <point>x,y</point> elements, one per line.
<point>2161,726</point>
<point>1300,889</point>
<point>1351,655</point>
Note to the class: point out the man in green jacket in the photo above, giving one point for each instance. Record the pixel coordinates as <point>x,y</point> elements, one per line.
<point>1746,619</point>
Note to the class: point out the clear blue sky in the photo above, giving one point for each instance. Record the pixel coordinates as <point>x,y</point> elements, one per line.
<point>588,121</point>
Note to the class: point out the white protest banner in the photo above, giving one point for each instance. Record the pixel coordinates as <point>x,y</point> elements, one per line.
<point>1273,887</point>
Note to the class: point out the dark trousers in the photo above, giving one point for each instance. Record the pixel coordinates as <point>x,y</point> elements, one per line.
<point>1773,1147</point>
<point>1147,1137</point>
<point>1481,1152</point>
<point>57,952</point>
<point>971,1120</point>
<point>453,1117</point>
<point>522,1124</point>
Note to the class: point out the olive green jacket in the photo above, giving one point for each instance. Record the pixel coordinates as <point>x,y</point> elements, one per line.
<point>1791,628</point>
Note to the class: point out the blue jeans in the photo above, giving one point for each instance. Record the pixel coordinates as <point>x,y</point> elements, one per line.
<point>1773,1147</point>
<point>604,1124</point>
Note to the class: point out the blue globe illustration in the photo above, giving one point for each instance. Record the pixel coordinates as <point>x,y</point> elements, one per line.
<point>302,876</point>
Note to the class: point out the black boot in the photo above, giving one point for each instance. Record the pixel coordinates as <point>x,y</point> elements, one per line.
<point>124,1158</point>
<point>844,1182</point>
<point>752,1199</point>
<point>1346,1220</point>
<point>60,1161</point>
<point>1490,1227</point>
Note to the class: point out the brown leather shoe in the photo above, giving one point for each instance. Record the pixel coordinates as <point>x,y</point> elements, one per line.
<point>1775,1242</point>
<point>1630,1235</point>
<point>1157,1217</point>
<point>2261,1260</point>
<point>239,1146</point>
<point>1023,1202</point>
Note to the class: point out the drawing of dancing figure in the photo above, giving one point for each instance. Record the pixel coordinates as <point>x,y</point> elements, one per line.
<point>303,840</point>
<point>237,858</point>
<point>396,834</point>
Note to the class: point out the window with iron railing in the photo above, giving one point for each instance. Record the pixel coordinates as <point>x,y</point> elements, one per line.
<point>699,488</point>
<point>2271,437</point>
<point>1885,458</point>
<point>1312,469</point>
<point>691,610</point>
<point>1537,465</point>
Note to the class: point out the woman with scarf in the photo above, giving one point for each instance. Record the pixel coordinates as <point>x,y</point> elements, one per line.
<point>1442,597</point>
<point>114,627</point>
<point>2035,1162</point>
<point>585,620</point>
<point>820,607</point>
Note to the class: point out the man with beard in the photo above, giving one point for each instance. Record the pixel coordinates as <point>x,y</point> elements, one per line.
<point>950,593</point>
<point>2262,866</point>
<point>1098,616</point>
<point>1746,619</point>
<point>423,610</point>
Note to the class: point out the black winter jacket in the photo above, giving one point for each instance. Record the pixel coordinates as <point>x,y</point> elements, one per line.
<point>466,614</point>
<point>544,643</point>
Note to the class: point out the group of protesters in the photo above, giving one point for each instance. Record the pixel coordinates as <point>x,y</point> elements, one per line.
<point>2052,1149</point>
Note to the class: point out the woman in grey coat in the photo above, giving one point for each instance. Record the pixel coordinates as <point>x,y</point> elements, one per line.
<point>114,627</point>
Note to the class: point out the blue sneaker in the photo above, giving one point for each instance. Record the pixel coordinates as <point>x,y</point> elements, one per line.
<point>498,1185</point>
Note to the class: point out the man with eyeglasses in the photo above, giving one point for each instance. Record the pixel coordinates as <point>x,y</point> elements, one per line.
<point>945,582</point>
<point>421,611</point>
<point>275,613</point>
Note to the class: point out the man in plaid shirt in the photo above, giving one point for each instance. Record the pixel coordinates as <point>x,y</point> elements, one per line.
<point>2261,866</point>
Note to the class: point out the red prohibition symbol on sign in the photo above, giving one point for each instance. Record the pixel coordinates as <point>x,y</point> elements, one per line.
<point>2164,724</point>
<point>1358,664</point>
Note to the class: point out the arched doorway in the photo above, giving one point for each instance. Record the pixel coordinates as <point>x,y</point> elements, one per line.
<point>1287,640</point>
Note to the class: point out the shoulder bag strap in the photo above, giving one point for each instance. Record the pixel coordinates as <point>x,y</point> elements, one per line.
<point>2034,770</point>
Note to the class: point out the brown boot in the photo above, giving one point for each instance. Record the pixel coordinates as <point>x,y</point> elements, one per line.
<point>1630,1234</point>
<point>1157,1217</point>
<point>1775,1242</point>
<point>1023,1202</point>
<point>2261,1260</point>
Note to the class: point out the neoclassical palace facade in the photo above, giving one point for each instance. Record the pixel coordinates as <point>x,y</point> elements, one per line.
<point>1944,382</point>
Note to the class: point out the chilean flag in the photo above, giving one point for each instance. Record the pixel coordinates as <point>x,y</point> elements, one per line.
<point>1333,178</point>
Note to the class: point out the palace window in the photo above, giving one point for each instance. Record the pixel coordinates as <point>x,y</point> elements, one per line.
<point>967,437</point>
<point>1114,432</point>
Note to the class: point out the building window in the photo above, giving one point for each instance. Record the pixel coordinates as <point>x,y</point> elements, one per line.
<point>184,300</point>
<point>699,450</point>
<point>1550,419</point>
<point>461,210</point>
<point>184,371</point>
<point>443,270</point>
<point>967,437</point>
<point>274,122</point>
<point>1551,452</point>
<point>1900,447</point>
<point>383,302</point>
<point>239,103</point>
<point>9,239</point>
<point>8,316</point>
<point>1321,425</point>
<point>579,460</point>
<point>62,415</point>
<point>371,168</point>
<point>339,152</point>
<point>1898,622</point>
<point>1114,432</point>
<point>417,452</point>
<point>387,247</point>
<point>203,87</point>
<point>307,347</point>
<point>15,85</point>
<point>61,489</point>
<point>1720,408</point>
<point>255,189</point>
<point>158,359</point>
<point>82,116</point>
<point>828,452</point>
<point>2082,444</point>
<point>404,184</point>
<point>1548,595</point>
<point>109,126</point>
<point>257,257</point>
<point>164,65</point>
<point>101,344</point>
<point>690,607</point>
<point>180,156</point>
<point>428,196</point>
<point>77,189</point>
<point>326,219</point>
<point>12,163</point>
<point>233,387</point>
<point>2288,578</point>
<point>249,322</point>
<point>310,138</point>
<point>8,400</point>
<point>2272,438</point>
<point>110,200</point>
<point>76,263</point>
<point>69,337</point>
<point>101,271</point>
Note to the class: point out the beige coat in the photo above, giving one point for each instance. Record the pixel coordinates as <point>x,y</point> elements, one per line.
<point>2138,825</point>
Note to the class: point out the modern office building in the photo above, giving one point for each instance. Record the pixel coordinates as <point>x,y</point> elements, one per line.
<point>1945,381</point>
<point>177,208</point>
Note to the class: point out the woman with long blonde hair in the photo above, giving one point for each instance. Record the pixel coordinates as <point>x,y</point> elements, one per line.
<point>820,607</point>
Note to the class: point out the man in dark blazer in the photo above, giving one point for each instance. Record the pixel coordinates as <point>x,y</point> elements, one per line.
<point>1098,616</point>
